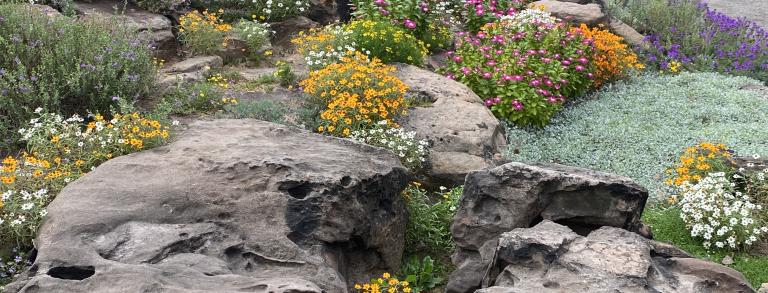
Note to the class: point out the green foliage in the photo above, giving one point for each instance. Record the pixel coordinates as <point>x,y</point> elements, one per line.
<point>638,127</point>
<point>66,66</point>
<point>524,67</point>
<point>285,75</point>
<point>387,42</point>
<point>199,97</point>
<point>255,35</point>
<point>261,10</point>
<point>429,225</point>
<point>651,16</point>
<point>422,275</point>
<point>669,227</point>
<point>266,110</point>
<point>428,21</point>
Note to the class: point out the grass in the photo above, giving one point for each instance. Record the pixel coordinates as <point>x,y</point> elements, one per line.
<point>668,227</point>
<point>638,128</point>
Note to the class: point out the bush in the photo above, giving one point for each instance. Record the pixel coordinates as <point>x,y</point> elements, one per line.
<point>263,10</point>
<point>199,97</point>
<point>266,110</point>
<point>720,215</point>
<point>355,94</point>
<point>412,152</point>
<point>429,225</point>
<point>612,58</point>
<point>688,35</point>
<point>163,6</point>
<point>524,66</point>
<point>697,162</point>
<point>203,33</point>
<point>386,42</point>
<point>60,151</point>
<point>422,275</point>
<point>478,13</point>
<point>428,21</point>
<point>637,128</point>
<point>321,47</point>
<point>65,66</point>
<point>255,35</point>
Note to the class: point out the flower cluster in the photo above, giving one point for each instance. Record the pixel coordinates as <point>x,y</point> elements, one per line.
<point>612,58</point>
<point>321,47</point>
<point>203,33</point>
<point>523,70</point>
<point>387,42</point>
<point>385,284</point>
<point>255,35</point>
<point>355,94</point>
<point>477,13</point>
<point>14,265</point>
<point>60,151</point>
<point>412,152</point>
<point>721,43</point>
<point>723,217</point>
<point>698,161</point>
<point>429,21</point>
<point>263,10</point>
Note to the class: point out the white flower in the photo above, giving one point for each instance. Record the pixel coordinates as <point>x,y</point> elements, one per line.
<point>756,156</point>
<point>38,110</point>
<point>27,206</point>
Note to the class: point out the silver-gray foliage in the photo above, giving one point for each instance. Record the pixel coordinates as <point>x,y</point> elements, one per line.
<point>639,127</point>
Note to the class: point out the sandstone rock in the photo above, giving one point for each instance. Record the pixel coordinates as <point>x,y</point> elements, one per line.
<point>463,134</point>
<point>590,14</point>
<point>287,29</point>
<point>231,206</point>
<point>187,71</point>
<point>763,288</point>
<point>630,35</point>
<point>516,195</point>
<point>157,27</point>
<point>552,258</point>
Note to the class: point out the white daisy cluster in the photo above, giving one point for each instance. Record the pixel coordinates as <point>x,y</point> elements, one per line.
<point>338,46</point>
<point>529,16</point>
<point>412,152</point>
<point>22,210</point>
<point>272,10</point>
<point>719,214</point>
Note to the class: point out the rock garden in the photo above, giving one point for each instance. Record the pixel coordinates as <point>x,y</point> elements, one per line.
<point>320,146</point>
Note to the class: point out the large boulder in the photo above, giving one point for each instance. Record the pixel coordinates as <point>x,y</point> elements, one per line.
<point>188,71</point>
<point>463,134</point>
<point>231,206</point>
<point>158,28</point>
<point>516,195</point>
<point>590,14</point>
<point>551,258</point>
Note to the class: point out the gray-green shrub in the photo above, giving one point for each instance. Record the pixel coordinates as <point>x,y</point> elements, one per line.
<point>66,66</point>
<point>637,128</point>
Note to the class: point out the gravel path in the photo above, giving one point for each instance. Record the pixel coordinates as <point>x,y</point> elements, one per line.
<point>755,10</point>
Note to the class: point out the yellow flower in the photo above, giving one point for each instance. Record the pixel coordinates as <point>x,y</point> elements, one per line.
<point>385,275</point>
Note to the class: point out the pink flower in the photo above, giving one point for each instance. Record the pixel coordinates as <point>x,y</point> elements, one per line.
<point>457,59</point>
<point>517,78</point>
<point>583,60</point>
<point>487,75</point>
<point>590,75</point>
<point>579,68</point>
<point>535,83</point>
<point>465,70</point>
<point>410,24</point>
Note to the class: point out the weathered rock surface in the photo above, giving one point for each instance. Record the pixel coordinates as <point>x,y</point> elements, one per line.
<point>517,195</point>
<point>763,288</point>
<point>590,14</point>
<point>189,70</point>
<point>630,35</point>
<point>463,134</point>
<point>231,206</point>
<point>158,27</point>
<point>287,29</point>
<point>551,258</point>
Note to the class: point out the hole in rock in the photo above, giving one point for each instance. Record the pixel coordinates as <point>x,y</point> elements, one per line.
<point>298,190</point>
<point>345,181</point>
<point>578,227</point>
<point>72,272</point>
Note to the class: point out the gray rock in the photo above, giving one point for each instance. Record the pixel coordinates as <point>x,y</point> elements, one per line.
<point>590,14</point>
<point>551,258</point>
<point>463,134</point>
<point>516,195</point>
<point>667,250</point>
<point>763,288</point>
<point>727,260</point>
<point>47,10</point>
<point>231,206</point>
<point>156,26</point>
